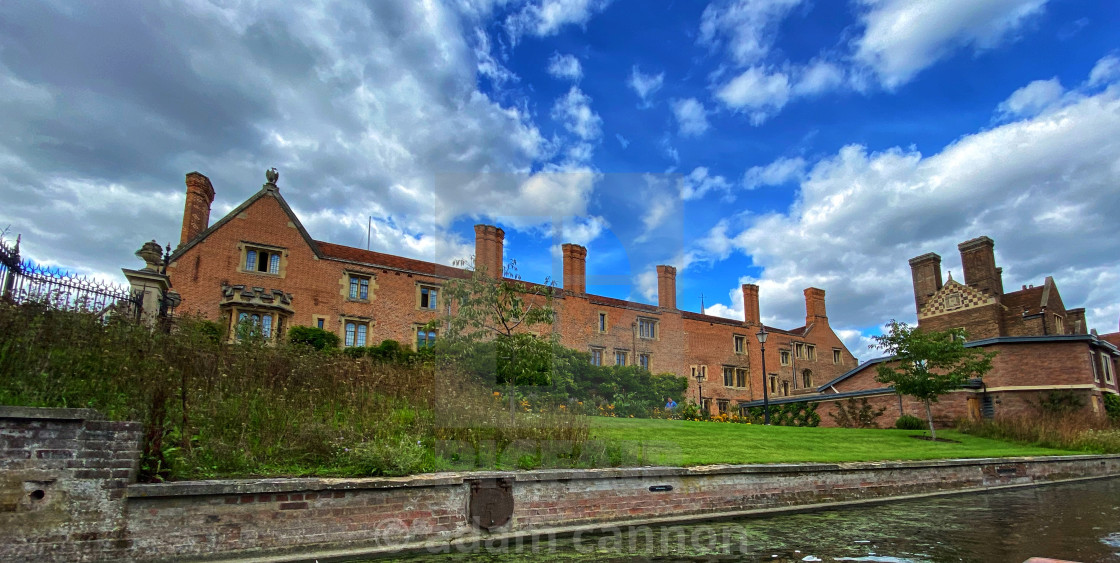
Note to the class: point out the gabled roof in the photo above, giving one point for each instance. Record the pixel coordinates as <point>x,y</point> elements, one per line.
<point>269,190</point>
<point>368,257</point>
<point>710,319</point>
<point>939,303</point>
<point>1033,299</point>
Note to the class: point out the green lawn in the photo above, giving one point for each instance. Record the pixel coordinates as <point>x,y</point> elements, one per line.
<point>676,442</point>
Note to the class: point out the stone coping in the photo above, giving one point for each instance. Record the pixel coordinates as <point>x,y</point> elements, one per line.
<point>46,413</point>
<point>283,485</point>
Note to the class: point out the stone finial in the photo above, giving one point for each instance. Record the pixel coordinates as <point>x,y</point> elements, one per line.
<point>271,175</point>
<point>151,254</point>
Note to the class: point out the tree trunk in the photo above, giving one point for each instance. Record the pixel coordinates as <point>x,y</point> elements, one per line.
<point>929,417</point>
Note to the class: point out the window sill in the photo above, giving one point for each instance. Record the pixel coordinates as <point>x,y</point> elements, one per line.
<point>262,274</point>
<point>352,300</point>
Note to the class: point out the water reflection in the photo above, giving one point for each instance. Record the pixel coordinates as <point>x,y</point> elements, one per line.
<point>1079,522</point>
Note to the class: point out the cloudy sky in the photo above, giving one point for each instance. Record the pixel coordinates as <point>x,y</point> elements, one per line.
<point>789,143</point>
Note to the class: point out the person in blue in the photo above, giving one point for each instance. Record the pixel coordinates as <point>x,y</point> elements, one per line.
<point>670,404</point>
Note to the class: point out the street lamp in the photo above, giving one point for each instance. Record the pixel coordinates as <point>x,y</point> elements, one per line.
<point>765,384</point>
<point>699,375</point>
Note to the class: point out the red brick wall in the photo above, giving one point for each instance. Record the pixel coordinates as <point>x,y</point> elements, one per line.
<point>318,287</point>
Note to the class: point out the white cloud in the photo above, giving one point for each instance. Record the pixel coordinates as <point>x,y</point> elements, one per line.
<point>747,28</point>
<point>622,140</point>
<point>545,17</point>
<point>692,118</point>
<point>902,37</point>
<point>1032,99</point>
<point>1044,188</point>
<point>818,77</point>
<point>756,92</point>
<point>574,111</point>
<point>1106,71</point>
<point>645,85</point>
<point>698,183</point>
<point>391,125</point>
<point>565,67</point>
<point>775,174</point>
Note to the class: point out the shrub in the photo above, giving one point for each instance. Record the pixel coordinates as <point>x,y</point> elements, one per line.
<point>853,414</point>
<point>1076,431</point>
<point>1059,403</point>
<point>1112,407</point>
<point>786,414</point>
<point>314,337</point>
<point>909,422</point>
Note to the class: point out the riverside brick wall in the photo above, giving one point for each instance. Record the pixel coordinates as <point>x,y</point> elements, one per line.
<point>63,477</point>
<point>88,512</point>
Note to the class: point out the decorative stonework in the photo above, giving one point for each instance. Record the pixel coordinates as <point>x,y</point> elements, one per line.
<point>954,297</point>
<point>256,297</point>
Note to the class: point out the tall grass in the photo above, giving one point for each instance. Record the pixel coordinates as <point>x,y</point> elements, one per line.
<point>213,409</point>
<point>1068,431</point>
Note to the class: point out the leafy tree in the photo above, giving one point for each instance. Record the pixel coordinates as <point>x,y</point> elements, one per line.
<point>928,363</point>
<point>491,319</point>
<point>314,337</point>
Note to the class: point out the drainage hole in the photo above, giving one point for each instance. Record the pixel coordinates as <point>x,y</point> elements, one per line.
<point>37,494</point>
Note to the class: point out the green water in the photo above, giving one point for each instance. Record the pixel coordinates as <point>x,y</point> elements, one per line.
<point>1078,522</point>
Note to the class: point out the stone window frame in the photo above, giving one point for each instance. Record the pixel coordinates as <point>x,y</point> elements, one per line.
<point>728,376</point>
<point>723,405</point>
<point>837,356</point>
<point>1059,324</point>
<point>799,350</point>
<point>1106,367</point>
<point>430,336</point>
<point>654,329</point>
<point>811,352</point>
<point>270,330</point>
<point>354,287</point>
<point>773,383</point>
<point>739,343</point>
<point>1093,363</point>
<point>742,378</point>
<point>344,323</point>
<point>602,322</point>
<point>623,354</point>
<point>420,287</point>
<point>784,356</point>
<point>597,355</point>
<point>644,361</point>
<point>807,378</point>
<point>281,262</point>
<point>320,321</point>
<point>352,273</point>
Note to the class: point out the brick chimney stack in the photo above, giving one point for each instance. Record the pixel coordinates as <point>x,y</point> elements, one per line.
<point>926,271</point>
<point>489,242</point>
<point>575,268</point>
<point>750,304</point>
<point>814,307</point>
<point>196,212</point>
<point>979,261</point>
<point>667,287</point>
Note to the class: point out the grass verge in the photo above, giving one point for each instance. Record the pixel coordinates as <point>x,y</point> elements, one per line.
<point>685,443</point>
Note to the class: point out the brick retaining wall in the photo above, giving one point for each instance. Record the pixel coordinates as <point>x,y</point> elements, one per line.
<point>87,515</point>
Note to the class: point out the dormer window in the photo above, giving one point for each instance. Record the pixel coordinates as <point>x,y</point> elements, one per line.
<point>262,260</point>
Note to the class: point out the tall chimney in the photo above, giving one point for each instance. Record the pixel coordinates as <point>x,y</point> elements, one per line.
<point>575,268</point>
<point>667,287</point>
<point>979,261</point>
<point>196,212</point>
<point>488,243</point>
<point>814,306</point>
<point>926,271</point>
<point>750,304</point>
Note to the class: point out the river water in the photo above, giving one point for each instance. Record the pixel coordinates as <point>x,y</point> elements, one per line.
<point>1077,521</point>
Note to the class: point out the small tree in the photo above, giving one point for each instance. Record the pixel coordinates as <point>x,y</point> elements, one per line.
<point>929,364</point>
<point>494,314</point>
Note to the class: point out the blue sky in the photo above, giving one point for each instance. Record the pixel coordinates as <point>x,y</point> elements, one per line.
<point>789,143</point>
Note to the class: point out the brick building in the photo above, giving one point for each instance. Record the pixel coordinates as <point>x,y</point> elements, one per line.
<point>259,263</point>
<point>1042,346</point>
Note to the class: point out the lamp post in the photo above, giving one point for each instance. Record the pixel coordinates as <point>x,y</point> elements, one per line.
<point>765,384</point>
<point>699,375</point>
